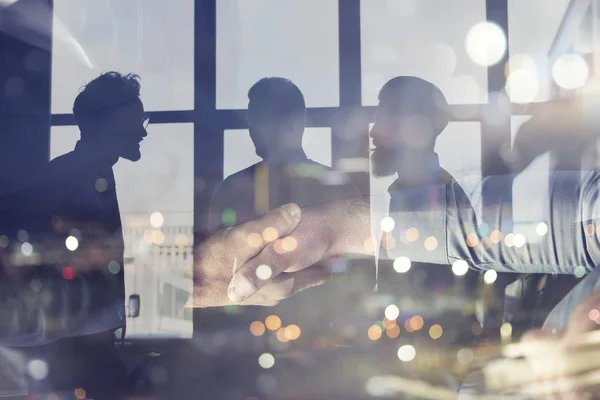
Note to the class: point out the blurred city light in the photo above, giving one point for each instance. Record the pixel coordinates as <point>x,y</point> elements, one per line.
<point>412,234</point>
<point>490,276</point>
<point>570,71</point>
<point>431,243</point>
<point>402,264</point>
<point>273,322</point>
<point>72,243</point>
<point>436,331</point>
<point>156,220</point>
<point>509,240</point>
<point>486,43</point>
<point>496,236</point>
<point>579,271</point>
<point>254,240</point>
<point>257,328</point>
<point>266,360</point>
<point>392,312</point>
<point>270,234</point>
<point>465,356</point>
<point>281,336</point>
<point>264,272</point>
<point>387,224</point>
<point>519,240</point>
<point>374,332</point>
<point>293,332</point>
<point>38,369</point>
<point>460,267</point>
<point>26,249</point>
<point>522,86</point>
<point>416,323</point>
<point>392,331</point>
<point>407,353</point>
<point>541,229</point>
<point>506,331</point>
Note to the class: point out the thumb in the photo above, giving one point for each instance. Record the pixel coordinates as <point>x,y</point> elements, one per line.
<point>247,240</point>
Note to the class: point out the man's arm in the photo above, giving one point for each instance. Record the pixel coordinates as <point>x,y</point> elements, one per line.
<point>216,207</point>
<point>218,257</point>
<point>448,232</point>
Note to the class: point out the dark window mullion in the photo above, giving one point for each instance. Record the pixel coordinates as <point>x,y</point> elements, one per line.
<point>495,137</point>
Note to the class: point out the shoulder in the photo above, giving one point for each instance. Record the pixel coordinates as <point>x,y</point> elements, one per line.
<point>333,179</point>
<point>237,182</point>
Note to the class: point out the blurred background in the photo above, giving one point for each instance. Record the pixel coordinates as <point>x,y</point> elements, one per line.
<point>496,61</point>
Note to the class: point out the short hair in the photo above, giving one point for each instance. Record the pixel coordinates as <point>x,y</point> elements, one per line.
<point>104,94</point>
<point>425,98</point>
<point>279,96</point>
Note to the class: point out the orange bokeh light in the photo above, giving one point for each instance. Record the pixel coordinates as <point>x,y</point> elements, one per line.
<point>293,332</point>
<point>472,239</point>
<point>393,331</point>
<point>254,240</point>
<point>374,332</point>
<point>281,336</point>
<point>431,243</point>
<point>412,234</point>
<point>416,322</point>
<point>270,234</point>
<point>257,328</point>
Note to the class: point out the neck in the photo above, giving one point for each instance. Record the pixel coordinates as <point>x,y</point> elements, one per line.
<point>288,156</point>
<point>97,153</point>
<point>418,163</point>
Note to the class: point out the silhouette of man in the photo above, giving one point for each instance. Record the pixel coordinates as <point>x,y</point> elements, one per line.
<point>411,114</point>
<point>73,331</point>
<point>276,120</point>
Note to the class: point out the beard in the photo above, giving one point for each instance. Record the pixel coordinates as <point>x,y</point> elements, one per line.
<point>131,152</point>
<point>384,161</point>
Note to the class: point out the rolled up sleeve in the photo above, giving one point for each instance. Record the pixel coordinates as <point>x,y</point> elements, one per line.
<point>437,224</point>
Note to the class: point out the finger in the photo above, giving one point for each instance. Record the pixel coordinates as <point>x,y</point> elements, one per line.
<point>542,334</point>
<point>282,255</point>
<point>251,237</point>
<point>585,317</point>
<point>287,284</point>
<point>247,240</point>
<point>260,271</point>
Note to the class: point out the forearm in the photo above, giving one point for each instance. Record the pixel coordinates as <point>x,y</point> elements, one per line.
<point>449,231</point>
<point>348,224</point>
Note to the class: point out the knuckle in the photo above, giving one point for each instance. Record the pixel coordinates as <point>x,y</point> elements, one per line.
<point>283,291</point>
<point>282,220</point>
<point>235,235</point>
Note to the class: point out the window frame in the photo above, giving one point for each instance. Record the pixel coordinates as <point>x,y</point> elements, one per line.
<point>210,122</point>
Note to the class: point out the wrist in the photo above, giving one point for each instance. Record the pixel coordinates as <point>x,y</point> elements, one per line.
<point>347,226</point>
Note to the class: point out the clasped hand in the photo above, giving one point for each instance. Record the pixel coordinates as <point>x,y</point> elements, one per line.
<point>260,262</point>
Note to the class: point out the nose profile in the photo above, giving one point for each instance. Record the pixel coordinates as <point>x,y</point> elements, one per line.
<point>373,133</point>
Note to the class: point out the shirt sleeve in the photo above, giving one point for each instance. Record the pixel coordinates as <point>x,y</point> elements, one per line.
<point>437,224</point>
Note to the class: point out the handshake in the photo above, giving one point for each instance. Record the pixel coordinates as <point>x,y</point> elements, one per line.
<point>264,261</point>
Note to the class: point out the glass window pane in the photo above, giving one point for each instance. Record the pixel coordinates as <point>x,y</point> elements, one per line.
<point>405,37</point>
<point>533,27</point>
<point>153,39</point>
<point>532,182</point>
<point>459,151</point>
<point>162,181</point>
<point>297,40</point>
<point>239,149</point>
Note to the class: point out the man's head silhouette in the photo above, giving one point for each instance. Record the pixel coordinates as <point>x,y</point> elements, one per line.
<point>276,116</point>
<point>411,114</point>
<point>111,115</point>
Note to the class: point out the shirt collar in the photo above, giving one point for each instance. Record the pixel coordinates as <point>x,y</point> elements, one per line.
<point>428,173</point>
